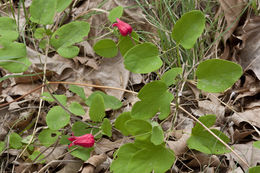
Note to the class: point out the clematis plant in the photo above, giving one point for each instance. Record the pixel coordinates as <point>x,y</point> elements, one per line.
<point>86,140</point>
<point>124,28</point>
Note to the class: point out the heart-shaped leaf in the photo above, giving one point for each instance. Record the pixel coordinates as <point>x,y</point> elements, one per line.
<point>69,34</point>
<point>115,13</point>
<point>138,158</point>
<point>154,98</point>
<point>106,48</point>
<point>76,109</point>
<point>82,153</point>
<point>109,101</point>
<point>13,61</point>
<point>47,137</point>
<point>216,75</point>
<point>143,58</point>
<point>157,137</point>
<point>78,90</point>
<point>79,128</point>
<point>120,122</point>
<point>203,141</point>
<point>15,141</point>
<point>97,108</point>
<point>43,11</point>
<point>169,76</point>
<point>57,118</point>
<point>62,5</point>
<point>8,29</point>
<point>68,52</point>
<point>126,42</point>
<point>141,129</point>
<point>106,127</point>
<point>189,28</point>
<point>61,98</point>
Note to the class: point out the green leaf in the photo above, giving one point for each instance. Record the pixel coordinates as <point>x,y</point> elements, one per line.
<point>39,33</point>
<point>256,144</point>
<point>16,66</point>
<point>35,154</point>
<point>120,122</point>
<point>143,58</point>
<point>2,146</point>
<point>62,5</point>
<point>64,140</point>
<point>57,118</point>
<point>80,128</point>
<point>69,34</point>
<point>82,153</point>
<point>169,76</point>
<point>27,139</point>
<point>97,108</point>
<point>216,75</point>
<point>68,52</point>
<point>15,141</point>
<point>42,44</point>
<point>106,127</point>
<point>141,129</point>
<point>154,98</point>
<point>47,137</point>
<point>19,61</point>
<point>78,90</point>
<point>76,109</point>
<point>124,154</point>
<point>43,11</point>
<point>189,28</point>
<point>157,137</point>
<point>106,48</point>
<point>203,141</point>
<point>61,98</point>
<point>157,158</point>
<point>126,43</point>
<point>255,169</point>
<point>109,101</point>
<point>8,29</point>
<point>115,13</point>
<point>133,158</point>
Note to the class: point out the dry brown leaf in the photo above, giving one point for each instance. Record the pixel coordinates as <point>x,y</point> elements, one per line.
<point>249,53</point>
<point>180,146</point>
<point>232,11</point>
<point>111,73</point>
<point>104,145</point>
<point>250,116</point>
<point>72,166</point>
<point>93,162</point>
<point>208,107</point>
<point>248,153</point>
<point>201,159</point>
<point>53,153</point>
<point>239,135</point>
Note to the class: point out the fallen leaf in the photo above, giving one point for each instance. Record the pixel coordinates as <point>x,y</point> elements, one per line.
<point>180,146</point>
<point>246,152</point>
<point>249,53</point>
<point>92,163</point>
<point>250,116</point>
<point>232,11</point>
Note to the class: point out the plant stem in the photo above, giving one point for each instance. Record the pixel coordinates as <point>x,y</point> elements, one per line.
<point>178,55</point>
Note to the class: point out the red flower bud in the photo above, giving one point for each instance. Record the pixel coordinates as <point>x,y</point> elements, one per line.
<point>86,140</point>
<point>124,28</point>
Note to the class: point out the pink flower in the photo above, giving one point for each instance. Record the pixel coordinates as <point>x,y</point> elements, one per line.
<point>123,27</point>
<point>86,140</point>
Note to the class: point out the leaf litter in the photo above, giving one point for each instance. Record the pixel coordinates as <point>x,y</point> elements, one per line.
<point>88,68</point>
